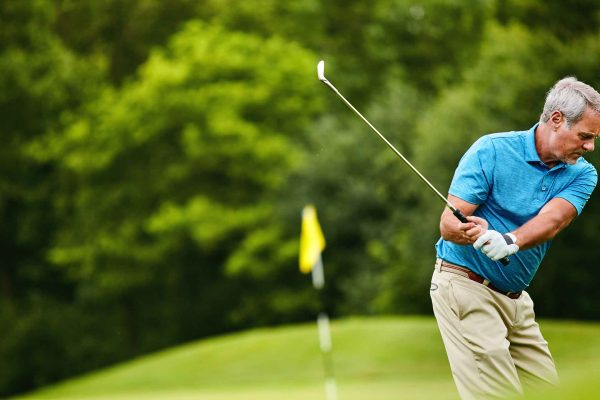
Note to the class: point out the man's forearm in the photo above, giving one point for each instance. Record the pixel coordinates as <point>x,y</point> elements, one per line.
<point>553,218</point>
<point>538,230</point>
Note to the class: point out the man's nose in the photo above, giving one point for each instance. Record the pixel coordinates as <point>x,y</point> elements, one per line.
<point>589,146</point>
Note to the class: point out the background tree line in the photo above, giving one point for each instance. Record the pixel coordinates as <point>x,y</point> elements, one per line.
<point>156,157</point>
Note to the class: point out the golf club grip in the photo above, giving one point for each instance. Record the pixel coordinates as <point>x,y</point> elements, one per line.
<point>505,261</point>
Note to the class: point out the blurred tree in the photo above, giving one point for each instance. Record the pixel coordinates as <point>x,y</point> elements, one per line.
<point>174,177</point>
<point>121,32</point>
<point>431,40</point>
<point>39,80</point>
<point>562,19</point>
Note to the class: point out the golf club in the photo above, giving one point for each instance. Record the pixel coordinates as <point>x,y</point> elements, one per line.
<point>457,213</point>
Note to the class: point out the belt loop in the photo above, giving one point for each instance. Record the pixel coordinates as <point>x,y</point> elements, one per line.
<point>485,282</point>
<point>438,264</point>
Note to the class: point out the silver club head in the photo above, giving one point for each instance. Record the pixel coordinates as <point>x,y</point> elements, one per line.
<point>321,70</point>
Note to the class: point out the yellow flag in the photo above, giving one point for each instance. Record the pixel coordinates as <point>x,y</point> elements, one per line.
<point>312,241</point>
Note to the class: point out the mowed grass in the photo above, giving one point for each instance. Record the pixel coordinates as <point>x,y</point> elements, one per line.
<point>374,358</point>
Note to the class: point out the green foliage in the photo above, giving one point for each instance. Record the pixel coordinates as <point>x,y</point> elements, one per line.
<point>289,19</point>
<point>367,42</point>
<point>39,80</point>
<point>432,40</point>
<point>558,18</point>
<point>121,32</point>
<point>177,170</point>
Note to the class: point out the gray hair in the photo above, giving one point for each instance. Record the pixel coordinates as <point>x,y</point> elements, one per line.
<point>571,97</point>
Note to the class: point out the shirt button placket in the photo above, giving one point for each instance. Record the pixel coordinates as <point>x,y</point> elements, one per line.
<point>545,186</point>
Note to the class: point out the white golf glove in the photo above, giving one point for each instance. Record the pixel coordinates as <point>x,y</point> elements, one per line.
<point>496,245</point>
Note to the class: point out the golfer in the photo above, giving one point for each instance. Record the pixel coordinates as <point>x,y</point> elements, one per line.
<point>518,189</point>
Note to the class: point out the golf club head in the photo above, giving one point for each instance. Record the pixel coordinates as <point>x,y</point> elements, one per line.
<point>321,70</point>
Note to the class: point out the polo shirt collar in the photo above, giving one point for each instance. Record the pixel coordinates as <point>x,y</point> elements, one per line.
<point>531,154</point>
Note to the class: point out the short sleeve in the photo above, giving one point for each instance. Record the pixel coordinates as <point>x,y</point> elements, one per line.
<point>472,181</point>
<point>580,190</point>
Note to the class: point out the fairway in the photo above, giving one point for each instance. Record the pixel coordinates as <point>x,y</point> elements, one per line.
<point>374,358</point>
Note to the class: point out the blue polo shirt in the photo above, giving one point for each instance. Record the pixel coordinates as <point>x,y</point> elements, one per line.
<point>503,174</point>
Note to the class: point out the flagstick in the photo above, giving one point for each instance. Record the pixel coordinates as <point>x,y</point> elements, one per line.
<point>312,244</point>
<point>325,341</point>
<point>318,277</point>
<point>324,335</point>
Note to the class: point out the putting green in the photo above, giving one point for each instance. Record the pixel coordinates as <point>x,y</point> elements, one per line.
<point>374,358</point>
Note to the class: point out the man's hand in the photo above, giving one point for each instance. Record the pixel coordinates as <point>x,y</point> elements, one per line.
<point>474,228</point>
<point>495,245</point>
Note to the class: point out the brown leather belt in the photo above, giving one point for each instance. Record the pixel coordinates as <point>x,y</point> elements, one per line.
<point>457,269</point>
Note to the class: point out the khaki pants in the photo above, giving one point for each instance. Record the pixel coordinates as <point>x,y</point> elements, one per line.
<point>494,345</point>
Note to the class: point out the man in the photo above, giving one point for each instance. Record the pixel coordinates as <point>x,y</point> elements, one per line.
<point>518,189</point>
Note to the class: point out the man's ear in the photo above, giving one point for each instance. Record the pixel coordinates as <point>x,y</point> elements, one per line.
<point>557,119</point>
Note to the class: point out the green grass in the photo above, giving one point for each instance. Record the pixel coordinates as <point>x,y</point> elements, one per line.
<point>374,358</point>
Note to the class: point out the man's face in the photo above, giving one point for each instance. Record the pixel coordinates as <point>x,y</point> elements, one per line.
<point>570,142</point>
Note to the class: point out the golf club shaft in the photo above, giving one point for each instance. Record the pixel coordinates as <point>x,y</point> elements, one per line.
<point>391,146</point>
<point>457,213</point>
